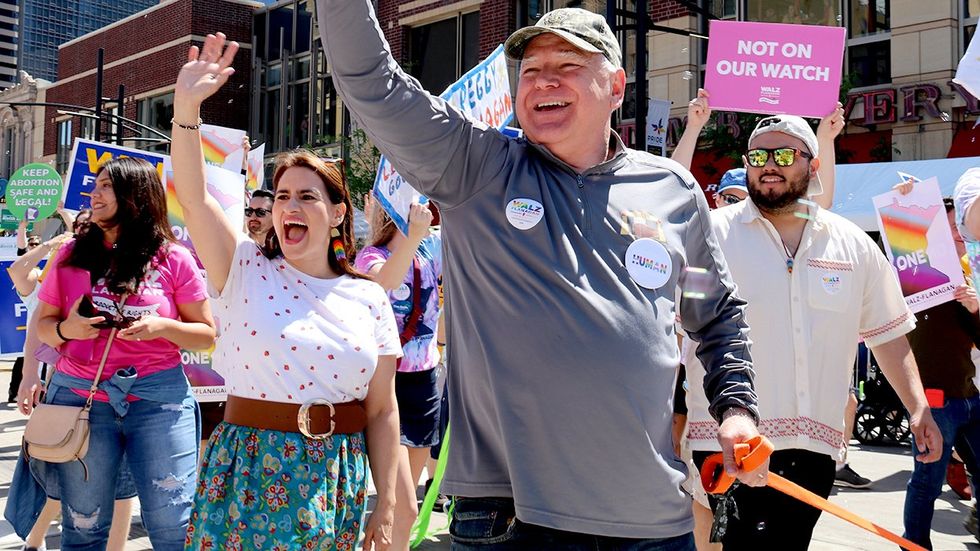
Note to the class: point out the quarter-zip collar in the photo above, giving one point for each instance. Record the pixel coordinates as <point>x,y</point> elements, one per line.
<point>620,153</point>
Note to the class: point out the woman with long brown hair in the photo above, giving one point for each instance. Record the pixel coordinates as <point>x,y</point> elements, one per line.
<point>125,288</point>
<point>307,348</point>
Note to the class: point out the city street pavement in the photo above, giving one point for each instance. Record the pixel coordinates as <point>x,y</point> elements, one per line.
<point>889,467</point>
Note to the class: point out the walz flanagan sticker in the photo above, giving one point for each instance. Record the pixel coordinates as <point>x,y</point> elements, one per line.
<point>523,213</point>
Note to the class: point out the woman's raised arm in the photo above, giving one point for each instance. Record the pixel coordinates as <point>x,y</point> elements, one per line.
<point>214,238</point>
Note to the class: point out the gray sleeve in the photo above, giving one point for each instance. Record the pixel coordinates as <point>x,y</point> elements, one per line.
<point>433,146</point>
<point>716,320</point>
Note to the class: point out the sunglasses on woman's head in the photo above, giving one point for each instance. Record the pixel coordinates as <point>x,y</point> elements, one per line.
<point>782,156</point>
<point>258,213</point>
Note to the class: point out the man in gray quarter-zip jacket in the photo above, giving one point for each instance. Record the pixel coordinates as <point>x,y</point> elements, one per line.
<point>563,254</point>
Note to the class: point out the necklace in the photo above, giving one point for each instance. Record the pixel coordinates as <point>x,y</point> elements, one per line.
<point>789,257</point>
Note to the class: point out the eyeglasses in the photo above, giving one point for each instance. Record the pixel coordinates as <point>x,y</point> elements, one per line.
<point>783,156</point>
<point>729,198</point>
<point>258,213</point>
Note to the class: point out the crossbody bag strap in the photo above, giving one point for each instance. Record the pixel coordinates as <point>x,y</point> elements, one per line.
<point>105,356</point>
<point>412,322</point>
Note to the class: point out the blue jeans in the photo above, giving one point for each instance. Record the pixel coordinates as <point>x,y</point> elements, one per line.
<point>960,417</point>
<point>490,524</point>
<point>160,441</point>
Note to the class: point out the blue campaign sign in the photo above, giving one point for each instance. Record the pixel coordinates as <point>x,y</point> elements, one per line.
<point>13,316</point>
<point>86,156</point>
<point>3,186</point>
<point>483,94</point>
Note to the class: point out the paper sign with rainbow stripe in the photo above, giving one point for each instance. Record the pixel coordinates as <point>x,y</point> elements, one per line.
<point>919,244</point>
<point>223,147</point>
<point>255,171</point>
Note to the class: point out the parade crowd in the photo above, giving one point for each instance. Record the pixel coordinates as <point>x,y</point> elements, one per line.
<point>595,328</point>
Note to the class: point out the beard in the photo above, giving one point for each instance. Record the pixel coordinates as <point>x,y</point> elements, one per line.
<point>774,201</point>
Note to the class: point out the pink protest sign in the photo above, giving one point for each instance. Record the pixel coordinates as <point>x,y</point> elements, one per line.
<point>773,68</point>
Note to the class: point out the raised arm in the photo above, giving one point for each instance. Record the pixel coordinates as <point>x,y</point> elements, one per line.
<point>23,272</point>
<point>391,273</point>
<point>827,131</point>
<point>432,145</point>
<point>213,236</point>
<point>66,216</point>
<point>698,114</point>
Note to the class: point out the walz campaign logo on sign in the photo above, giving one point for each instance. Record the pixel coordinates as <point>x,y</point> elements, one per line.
<point>524,214</point>
<point>770,95</point>
<point>831,283</point>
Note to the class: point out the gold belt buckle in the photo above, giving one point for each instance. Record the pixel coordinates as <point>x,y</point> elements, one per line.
<point>303,418</point>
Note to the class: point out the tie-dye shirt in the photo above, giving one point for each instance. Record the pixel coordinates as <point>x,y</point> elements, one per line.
<point>421,353</point>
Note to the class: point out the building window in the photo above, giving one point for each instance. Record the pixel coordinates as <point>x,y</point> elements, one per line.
<point>971,14</point>
<point>869,64</point>
<point>156,112</point>
<point>63,153</point>
<point>8,163</point>
<point>439,53</point>
<point>804,12</point>
<point>868,17</point>
<point>869,42</point>
<point>529,11</point>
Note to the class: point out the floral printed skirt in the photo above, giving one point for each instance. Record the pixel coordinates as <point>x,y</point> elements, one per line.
<point>265,489</point>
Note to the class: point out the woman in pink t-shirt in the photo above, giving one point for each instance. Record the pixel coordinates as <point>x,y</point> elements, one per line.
<point>125,285</point>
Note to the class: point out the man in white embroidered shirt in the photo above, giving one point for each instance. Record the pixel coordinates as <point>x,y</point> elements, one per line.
<point>814,284</point>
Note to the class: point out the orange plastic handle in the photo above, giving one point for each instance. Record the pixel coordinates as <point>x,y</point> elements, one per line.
<point>749,456</point>
<point>752,454</point>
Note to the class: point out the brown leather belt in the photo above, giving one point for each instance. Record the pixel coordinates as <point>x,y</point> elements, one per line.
<point>314,419</point>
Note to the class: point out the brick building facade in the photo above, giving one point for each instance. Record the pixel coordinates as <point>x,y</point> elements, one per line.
<point>144,53</point>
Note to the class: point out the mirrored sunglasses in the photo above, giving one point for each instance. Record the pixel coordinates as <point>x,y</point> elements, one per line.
<point>782,156</point>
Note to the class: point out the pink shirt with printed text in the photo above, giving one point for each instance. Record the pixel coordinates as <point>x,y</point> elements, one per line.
<point>172,279</point>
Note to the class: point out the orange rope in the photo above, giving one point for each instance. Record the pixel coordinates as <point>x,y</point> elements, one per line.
<point>752,455</point>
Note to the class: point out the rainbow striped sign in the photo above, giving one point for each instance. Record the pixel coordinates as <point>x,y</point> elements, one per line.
<point>223,147</point>
<point>919,244</point>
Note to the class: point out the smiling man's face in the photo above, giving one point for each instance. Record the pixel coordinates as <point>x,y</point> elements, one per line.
<point>565,96</point>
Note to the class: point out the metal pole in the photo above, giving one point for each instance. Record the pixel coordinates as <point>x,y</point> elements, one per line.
<point>98,95</point>
<point>642,22</point>
<point>119,122</point>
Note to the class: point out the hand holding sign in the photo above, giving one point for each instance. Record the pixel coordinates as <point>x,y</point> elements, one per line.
<point>698,111</point>
<point>774,68</point>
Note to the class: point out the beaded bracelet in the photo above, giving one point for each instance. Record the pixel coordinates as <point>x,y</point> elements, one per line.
<point>188,126</point>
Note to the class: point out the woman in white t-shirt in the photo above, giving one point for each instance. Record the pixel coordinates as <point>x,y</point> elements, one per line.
<point>303,336</point>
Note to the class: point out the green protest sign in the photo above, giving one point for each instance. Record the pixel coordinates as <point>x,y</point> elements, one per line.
<point>9,221</point>
<point>34,191</point>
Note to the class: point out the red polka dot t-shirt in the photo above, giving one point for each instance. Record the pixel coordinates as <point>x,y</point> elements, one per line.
<point>276,344</point>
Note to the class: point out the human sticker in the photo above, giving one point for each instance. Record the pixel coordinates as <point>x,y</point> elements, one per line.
<point>831,283</point>
<point>523,213</point>
<point>402,292</point>
<point>648,263</point>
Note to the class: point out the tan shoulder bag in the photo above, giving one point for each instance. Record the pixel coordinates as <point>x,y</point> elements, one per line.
<point>59,434</point>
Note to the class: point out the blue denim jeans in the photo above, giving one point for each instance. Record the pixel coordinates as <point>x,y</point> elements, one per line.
<point>160,441</point>
<point>959,421</point>
<point>490,524</point>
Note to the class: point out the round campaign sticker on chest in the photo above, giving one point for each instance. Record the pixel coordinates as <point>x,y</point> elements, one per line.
<point>648,263</point>
<point>523,213</point>
<point>831,283</point>
<point>402,292</point>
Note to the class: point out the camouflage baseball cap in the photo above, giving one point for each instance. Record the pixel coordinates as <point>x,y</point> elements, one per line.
<point>581,28</point>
